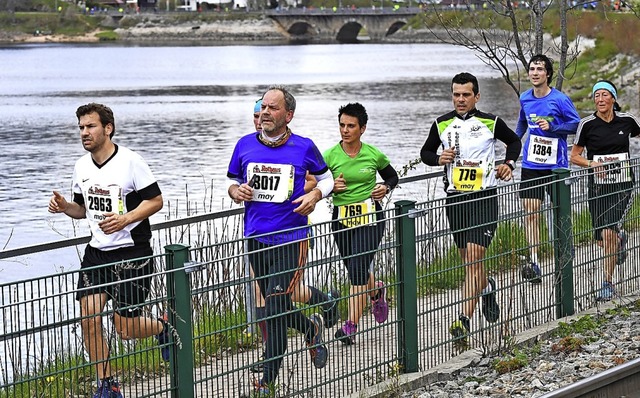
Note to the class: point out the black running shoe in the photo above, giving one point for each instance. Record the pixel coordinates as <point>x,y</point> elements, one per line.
<point>330,309</point>
<point>532,273</point>
<point>490,307</point>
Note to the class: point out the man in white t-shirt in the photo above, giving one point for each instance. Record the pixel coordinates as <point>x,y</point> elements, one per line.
<point>114,189</point>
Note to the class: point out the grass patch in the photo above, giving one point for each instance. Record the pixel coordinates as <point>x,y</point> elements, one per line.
<point>66,377</point>
<point>107,35</point>
<point>69,24</point>
<point>479,380</point>
<point>220,331</point>
<point>622,311</point>
<point>631,221</point>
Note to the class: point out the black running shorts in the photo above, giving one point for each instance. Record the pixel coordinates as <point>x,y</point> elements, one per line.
<point>533,183</point>
<point>473,218</point>
<point>118,277</point>
<point>607,204</point>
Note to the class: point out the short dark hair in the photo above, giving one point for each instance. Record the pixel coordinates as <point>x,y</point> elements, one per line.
<point>289,99</point>
<point>464,78</point>
<point>104,112</point>
<point>548,65</point>
<point>355,110</point>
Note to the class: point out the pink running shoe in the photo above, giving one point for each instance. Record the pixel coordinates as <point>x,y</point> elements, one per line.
<point>347,333</point>
<point>379,306</point>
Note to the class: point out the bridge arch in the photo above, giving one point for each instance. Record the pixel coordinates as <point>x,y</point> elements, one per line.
<point>341,26</point>
<point>302,29</point>
<point>396,26</point>
<point>348,33</point>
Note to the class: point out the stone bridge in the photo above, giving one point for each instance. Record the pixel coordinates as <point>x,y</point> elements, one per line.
<point>343,25</point>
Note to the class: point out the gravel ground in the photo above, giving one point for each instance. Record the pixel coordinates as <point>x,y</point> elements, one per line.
<point>607,338</point>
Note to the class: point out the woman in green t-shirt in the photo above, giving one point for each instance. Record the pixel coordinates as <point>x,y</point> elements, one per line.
<point>358,220</point>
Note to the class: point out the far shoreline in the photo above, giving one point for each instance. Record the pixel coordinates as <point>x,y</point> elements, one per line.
<point>160,31</point>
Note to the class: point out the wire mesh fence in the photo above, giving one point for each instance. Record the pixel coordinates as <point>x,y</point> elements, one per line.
<point>203,284</point>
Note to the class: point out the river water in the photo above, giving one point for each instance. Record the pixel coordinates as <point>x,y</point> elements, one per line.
<point>183,108</point>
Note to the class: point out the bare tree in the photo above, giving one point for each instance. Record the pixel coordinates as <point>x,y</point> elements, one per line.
<point>10,6</point>
<point>507,51</point>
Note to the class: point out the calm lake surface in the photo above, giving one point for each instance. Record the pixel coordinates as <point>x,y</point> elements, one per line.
<point>183,109</point>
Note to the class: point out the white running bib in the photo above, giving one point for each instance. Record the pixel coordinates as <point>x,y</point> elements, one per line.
<point>271,182</point>
<point>616,168</point>
<point>542,150</point>
<point>102,200</point>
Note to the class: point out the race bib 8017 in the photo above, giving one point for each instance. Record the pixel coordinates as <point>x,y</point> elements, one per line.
<point>271,182</point>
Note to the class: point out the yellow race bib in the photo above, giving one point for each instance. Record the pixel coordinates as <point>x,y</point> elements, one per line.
<point>357,214</point>
<point>467,178</point>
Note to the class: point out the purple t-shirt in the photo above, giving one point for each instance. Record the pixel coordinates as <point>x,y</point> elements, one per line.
<point>279,177</point>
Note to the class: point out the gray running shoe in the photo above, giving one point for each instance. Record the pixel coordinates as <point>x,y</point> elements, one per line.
<point>317,349</point>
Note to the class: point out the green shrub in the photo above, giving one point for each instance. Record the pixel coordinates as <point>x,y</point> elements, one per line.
<point>508,247</point>
<point>579,326</point>
<point>568,344</point>
<point>511,362</point>
<point>582,228</point>
<point>445,272</point>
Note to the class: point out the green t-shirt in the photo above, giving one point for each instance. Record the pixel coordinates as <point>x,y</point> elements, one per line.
<point>359,172</point>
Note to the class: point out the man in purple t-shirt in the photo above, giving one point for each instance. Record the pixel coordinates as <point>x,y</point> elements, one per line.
<point>267,172</point>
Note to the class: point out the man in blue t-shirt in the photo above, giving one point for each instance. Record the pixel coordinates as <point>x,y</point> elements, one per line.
<point>549,116</point>
<point>267,172</point>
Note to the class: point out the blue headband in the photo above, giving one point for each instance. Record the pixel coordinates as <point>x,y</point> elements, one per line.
<point>606,86</point>
<point>258,105</point>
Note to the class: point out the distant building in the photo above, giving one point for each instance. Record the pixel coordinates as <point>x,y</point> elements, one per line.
<point>187,5</point>
<point>216,4</point>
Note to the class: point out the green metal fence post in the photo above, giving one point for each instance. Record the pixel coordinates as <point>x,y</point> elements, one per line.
<point>563,243</point>
<point>179,311</point>
<point>407,286</point>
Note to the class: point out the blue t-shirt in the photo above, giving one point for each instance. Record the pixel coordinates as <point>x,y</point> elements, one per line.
<point>279,176</point>
<point>545,150</point>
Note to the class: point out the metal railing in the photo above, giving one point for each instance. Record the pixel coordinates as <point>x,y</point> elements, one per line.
<point>201,282</point>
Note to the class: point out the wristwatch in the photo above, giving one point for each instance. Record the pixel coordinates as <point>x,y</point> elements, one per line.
<point>511,164</point>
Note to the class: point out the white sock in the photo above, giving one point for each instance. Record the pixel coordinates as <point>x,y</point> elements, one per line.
<point>487,289</point>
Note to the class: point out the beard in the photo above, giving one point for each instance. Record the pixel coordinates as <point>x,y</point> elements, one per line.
<point>273,128</point>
